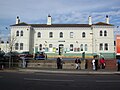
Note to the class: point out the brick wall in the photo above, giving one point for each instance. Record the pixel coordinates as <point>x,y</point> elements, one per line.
<point>69,64</point>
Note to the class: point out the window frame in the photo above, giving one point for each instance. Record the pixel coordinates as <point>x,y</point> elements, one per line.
<point>21,46</point>
<point>61,34</point>
<point>71,34</point>
<point>101,33</point>
<point>101,46</point>
<point>71,47</point>
<point>83,34</point>
<point>105,33</point>
<point>16,46</point>
<point>106,46</point>
<point>21,33</point>
<point>50,34</point>
<point>17,33</point>
<point>39,34</point>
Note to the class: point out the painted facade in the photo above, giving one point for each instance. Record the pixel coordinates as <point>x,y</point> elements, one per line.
<point>64,39</point>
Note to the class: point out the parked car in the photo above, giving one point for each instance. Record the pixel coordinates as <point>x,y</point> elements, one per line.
<point>26,55</point>
<point>13,54</point>
<point>1,53</point>
<point>40,56</point>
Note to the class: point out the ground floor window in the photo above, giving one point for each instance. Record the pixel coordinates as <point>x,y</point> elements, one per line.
<point>16,46</point>
<point>21,46</point>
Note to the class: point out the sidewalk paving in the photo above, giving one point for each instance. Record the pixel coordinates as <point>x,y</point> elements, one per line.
<point>67,71</point>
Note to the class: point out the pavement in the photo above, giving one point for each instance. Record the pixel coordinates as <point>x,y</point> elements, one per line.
<point>63,71</point>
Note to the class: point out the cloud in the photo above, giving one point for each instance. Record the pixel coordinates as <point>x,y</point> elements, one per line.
<point>62,11</point>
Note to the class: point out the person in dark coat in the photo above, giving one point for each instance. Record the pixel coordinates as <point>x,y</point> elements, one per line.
<point>96,62</point>
<point>118,64</point>
<point>77,62</point>
<point>59,63</point>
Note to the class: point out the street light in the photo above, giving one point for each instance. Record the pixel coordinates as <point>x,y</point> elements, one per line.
<point>10,51</point>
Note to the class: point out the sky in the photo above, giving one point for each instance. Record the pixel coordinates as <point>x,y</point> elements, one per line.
<point>62,12</point>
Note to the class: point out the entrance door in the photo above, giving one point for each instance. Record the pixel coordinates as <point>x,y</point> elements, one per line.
<point>61,49</point>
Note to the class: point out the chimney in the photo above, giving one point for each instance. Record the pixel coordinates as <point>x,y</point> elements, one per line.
<point>49,20</point>
<point>107,19</point>
<point>17,20</point>
<point>90,20</point>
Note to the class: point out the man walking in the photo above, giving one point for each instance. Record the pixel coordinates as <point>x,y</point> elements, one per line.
<point>118,64</point>
<point>77,63</point>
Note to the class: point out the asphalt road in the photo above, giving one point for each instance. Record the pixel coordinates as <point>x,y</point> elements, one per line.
<point>50,81</point>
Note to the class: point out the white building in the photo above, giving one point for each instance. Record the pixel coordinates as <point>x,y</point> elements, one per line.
<point>65,39</point>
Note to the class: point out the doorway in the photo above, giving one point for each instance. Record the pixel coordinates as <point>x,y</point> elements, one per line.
<point>61,49</point>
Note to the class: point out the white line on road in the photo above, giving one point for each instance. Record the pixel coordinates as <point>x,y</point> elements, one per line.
<point>108,81</point>
<point>54,80</point>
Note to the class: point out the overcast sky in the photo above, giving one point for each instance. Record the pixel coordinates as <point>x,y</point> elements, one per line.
<point>62,11</point>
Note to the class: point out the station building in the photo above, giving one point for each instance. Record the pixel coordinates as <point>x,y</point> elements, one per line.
<point>68,40</point>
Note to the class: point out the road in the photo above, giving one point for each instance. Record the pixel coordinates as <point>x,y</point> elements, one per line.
<point>50,81</point>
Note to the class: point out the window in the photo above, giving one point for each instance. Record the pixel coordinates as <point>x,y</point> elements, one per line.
<point>21,33</point>
<point>81,47</point>
<point>71,34</point>
<point>50,45</point>
<point>85,47</point>
<point>51,34</point>
<point>101,46</point>
<point>16,46</point>
<point>40,47</point>
<point>71,47</point>
<point>83,34</point>
<point>17,33</point>
<point>105,33</point>
<point>21,46</point>
<point>106,46</point>
<point>39,35</point>
<point>100,33</point>
<point>61,34</point>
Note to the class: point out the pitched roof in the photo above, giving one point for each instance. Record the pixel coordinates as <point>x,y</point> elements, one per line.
<point>21,24</point>
<point>61,25</point>
<point>104,24</point>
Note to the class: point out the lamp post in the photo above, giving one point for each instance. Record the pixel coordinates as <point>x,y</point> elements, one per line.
<point>10,51</point>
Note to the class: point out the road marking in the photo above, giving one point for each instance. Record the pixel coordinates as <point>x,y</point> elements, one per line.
<point>108,81</point>
<point>54,80</point>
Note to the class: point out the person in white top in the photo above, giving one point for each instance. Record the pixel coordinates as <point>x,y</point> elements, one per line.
<point>93,63</point>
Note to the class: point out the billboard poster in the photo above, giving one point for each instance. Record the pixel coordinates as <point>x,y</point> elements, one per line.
<point>118,44</point>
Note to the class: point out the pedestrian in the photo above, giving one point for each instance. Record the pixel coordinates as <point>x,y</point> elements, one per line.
<point>59,62</point>
<point>93,63</point>
<point>77,63</point>
<point>102,63</point>
<point>118,64</point>
<point>96,62</point>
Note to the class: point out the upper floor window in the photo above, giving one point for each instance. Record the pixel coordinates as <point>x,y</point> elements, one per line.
<point>51,34</point>
<point>21,46</point>
<point>16,46</point>
<point>105,33</point>
<point>71,34</point>
<point>101,33</point>
<point>39,35</point>
<point>61,34</point>
<point>83,34</point>
<point>17,33</point>
<point>40,47</point>
<point>71,47</point>
<point>21,33</point>
<point>106,46</point>
<point>101,46</point>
